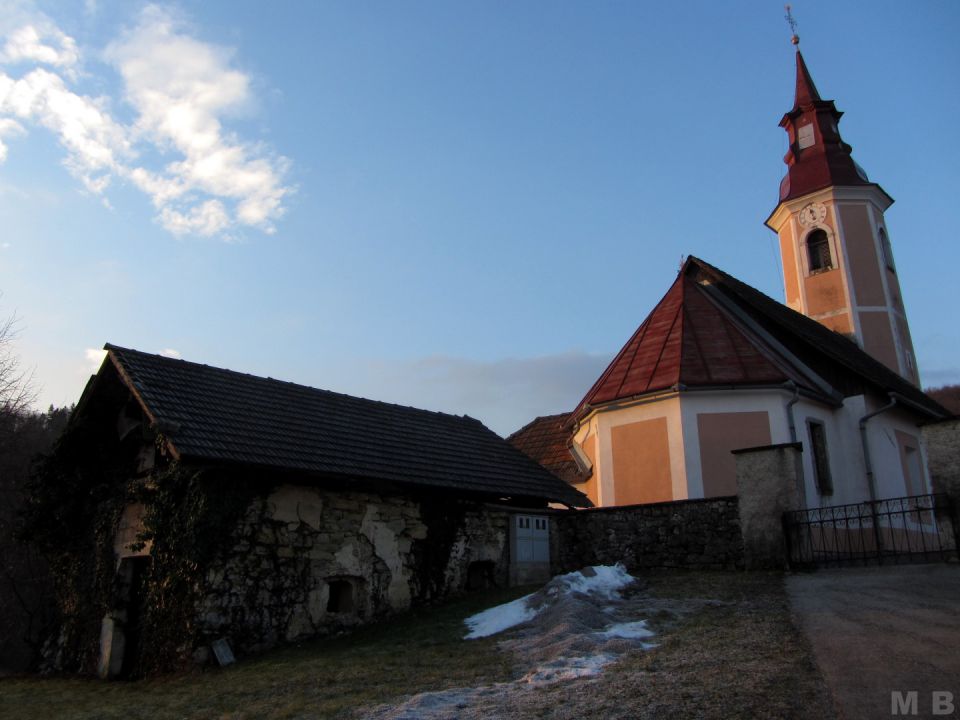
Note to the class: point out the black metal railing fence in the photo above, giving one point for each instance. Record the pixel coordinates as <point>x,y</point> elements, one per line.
<point>918,528</point>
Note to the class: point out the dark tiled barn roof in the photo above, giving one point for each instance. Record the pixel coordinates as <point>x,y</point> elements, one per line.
<point>215,415</point>
<point>546,440</point>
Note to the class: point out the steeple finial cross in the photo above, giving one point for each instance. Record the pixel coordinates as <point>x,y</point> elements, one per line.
<point>793,25</point>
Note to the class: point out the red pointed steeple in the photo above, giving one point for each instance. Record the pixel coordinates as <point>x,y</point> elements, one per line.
<point>806,91</point>
<point>818,157</point>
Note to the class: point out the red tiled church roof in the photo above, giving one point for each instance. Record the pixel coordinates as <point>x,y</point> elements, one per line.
<point>686,341</point>
<point>711,330</point>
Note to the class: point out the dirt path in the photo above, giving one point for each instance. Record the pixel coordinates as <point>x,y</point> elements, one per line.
<point>875,631</point>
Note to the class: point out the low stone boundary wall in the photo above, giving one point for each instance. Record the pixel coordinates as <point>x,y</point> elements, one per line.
<point>694,534</point>
<point>943,456</point>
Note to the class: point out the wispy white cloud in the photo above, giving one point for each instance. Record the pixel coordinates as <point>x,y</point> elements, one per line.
<point>181,88</point>
<point>95,144</point>
<point>8,128</point>
<point>94,357</point>
<point>40,43</point>
<point>171,353</point>
<point>208,182</point>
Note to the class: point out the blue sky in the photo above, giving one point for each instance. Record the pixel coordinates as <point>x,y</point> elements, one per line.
<point>464,206</point>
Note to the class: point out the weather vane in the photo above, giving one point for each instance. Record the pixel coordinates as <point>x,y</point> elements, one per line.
<point>793,25</point>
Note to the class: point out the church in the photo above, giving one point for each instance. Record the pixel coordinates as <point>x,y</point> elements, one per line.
<point>717,366</point>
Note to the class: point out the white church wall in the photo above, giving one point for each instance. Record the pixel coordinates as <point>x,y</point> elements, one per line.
<point>886,434</point>
<point>844,453</point>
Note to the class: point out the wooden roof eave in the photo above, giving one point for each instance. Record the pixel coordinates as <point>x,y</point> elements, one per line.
<point>155,421</point>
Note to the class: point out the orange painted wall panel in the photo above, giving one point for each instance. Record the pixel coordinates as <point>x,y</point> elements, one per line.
<point>719,434</point>
<point>841,323</point>
<point>862,255</point>
<point>878,338</point>
<point>824,292</point>
<point>789,257</point>
<point>641,462</point>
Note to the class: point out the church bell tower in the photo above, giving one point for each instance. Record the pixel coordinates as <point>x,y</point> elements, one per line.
<point>837,258</point>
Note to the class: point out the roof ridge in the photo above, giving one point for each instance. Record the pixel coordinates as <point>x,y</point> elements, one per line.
<point>262,378</point>
<point>692,329</point>
<point>815,335</point>
<point>639,334</point>
<point>538,418</point>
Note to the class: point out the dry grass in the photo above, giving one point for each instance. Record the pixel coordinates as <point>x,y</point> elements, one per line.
<point>421,651</point>
<point>742,658</point>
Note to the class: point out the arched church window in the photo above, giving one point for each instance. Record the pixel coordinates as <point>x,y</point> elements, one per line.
<point>887,251</point>
<point>818,251</point>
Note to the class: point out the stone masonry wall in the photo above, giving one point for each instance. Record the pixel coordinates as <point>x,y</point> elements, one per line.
<point>768,481</point>
<point>695,534</point>
<point>943,456</point>
<point>378,555</point>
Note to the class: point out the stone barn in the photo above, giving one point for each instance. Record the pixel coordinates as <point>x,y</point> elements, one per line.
<point>190,504</point>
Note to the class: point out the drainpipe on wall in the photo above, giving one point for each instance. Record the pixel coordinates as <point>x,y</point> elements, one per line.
<point>870,479</point>
<point>793,401</point>
<point>791,423</point>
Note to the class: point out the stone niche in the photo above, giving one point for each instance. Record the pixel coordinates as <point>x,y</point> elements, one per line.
<point>306,562</point>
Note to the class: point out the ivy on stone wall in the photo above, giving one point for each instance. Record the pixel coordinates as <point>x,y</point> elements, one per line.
<point>190,517</point>
<point>77,497</point>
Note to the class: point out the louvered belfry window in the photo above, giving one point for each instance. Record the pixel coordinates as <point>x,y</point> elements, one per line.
<point>818,248</point>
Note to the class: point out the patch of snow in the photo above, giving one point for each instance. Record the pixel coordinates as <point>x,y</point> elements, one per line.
<point>499,618</point>
<point>568,669</point>
<point>630,630</point>
<point>568,631</point>
<point>603,581</point>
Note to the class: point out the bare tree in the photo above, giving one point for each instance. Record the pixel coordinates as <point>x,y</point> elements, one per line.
<point>17,393</point>
<point>25,590</point>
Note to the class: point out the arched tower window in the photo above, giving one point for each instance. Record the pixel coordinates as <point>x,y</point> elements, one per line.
<point>887,251</point>
<point>818,251</point>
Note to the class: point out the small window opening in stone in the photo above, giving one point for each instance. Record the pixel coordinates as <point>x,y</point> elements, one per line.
<point>818,249</point>
<point>480,575</point>
<point>341,599</point>
<point>805,136</point>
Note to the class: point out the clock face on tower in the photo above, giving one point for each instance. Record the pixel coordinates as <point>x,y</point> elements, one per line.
<point>812,214</point>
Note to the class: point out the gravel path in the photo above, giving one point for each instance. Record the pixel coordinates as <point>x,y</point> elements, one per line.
<point>875,631</point>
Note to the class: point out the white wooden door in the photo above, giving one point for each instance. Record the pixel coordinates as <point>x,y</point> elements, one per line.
<point>533,538</point>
